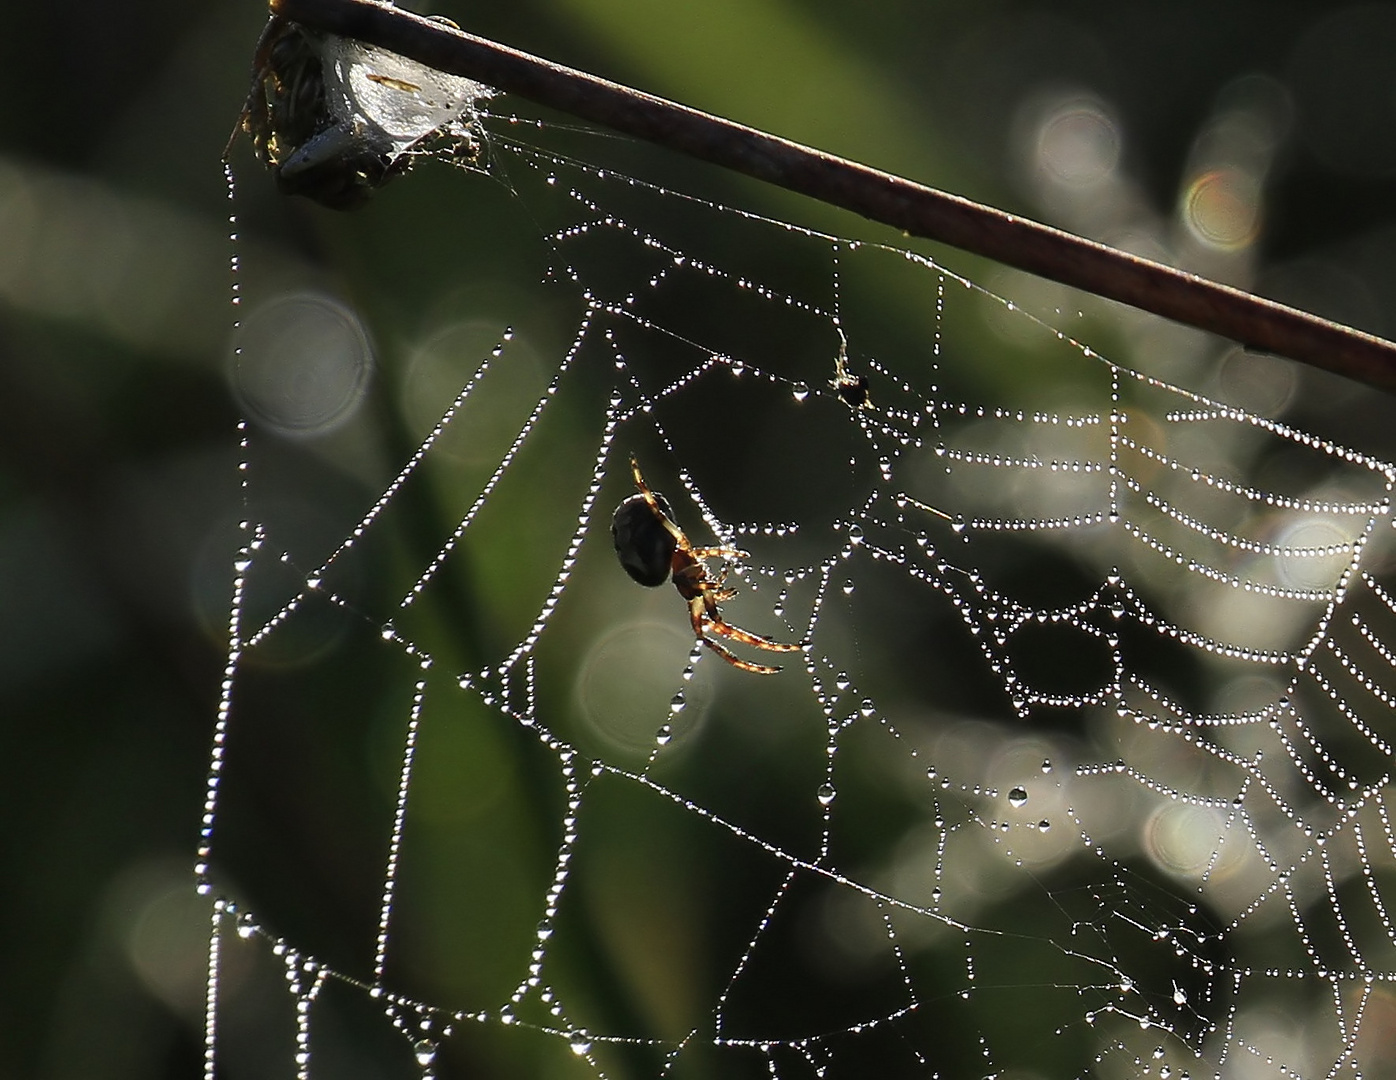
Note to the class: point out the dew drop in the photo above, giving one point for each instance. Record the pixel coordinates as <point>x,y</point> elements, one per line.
<point>826,794</point>
<point>580,1044</point>
<point>664,734</point>
<point>800,391</point>
<point>676,704</point>
<point>424,1050</point>
<point>1017,797</point>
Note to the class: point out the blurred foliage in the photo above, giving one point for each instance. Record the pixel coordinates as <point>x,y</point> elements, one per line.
<point>118,494</point>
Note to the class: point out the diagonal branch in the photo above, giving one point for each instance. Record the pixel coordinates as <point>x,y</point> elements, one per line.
<point>1251,320</point>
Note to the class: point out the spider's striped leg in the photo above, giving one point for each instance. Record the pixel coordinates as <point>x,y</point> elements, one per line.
<point>730,554</point>
<point>707,616</point>
<point>707,619</point>
<point>658,511</point>
<point>698,614</point>
<point>737,661</point>
<point>746,637</point>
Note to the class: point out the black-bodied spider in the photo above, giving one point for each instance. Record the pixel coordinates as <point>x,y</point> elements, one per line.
<point>653,549</point>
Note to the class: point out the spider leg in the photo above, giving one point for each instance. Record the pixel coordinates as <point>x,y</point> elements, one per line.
<point>703,613</point>
<point>698,614</point>
<point>737,661</point>
<point>746,637</point>
<point>731,554</point>
<point>261,62</point>
<point>644,489</point>
<point>715,587</point>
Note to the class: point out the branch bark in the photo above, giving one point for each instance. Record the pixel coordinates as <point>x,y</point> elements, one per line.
<point>1250,320</point>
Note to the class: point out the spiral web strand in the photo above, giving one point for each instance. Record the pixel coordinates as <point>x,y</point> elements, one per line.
<point>1083,768</point>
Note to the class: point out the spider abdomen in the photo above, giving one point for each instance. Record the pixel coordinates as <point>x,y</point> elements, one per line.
<point>643,545</point>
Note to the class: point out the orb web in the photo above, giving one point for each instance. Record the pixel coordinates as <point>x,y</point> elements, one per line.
<point>1082,769</point>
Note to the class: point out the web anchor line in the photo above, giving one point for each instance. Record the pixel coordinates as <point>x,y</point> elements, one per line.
<point>1253,321</point>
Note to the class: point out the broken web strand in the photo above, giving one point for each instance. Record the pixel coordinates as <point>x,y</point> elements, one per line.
<point>975,602</point>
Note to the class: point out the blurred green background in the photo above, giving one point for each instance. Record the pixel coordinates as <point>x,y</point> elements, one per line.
<point>118,498</point>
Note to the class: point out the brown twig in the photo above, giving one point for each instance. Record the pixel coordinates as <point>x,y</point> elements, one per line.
<point>1251,320</point>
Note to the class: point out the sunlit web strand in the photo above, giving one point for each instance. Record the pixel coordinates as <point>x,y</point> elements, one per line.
<point>574,545</point>
<point>1223,577</point>
<point>1369,635</point>
<point>1267,498</point>
<point>1373,893</point>
<point>796,863</point>
<point>1386,827</point>
<point>542,158</point>
<point>677,258</point>
<point>1284,431</point>
<point>1241,543</point>
<point>528,425</point>
<point>242,563</point>
<point>1364,680</point>
<point>390,873</point>
<point>314,577</point>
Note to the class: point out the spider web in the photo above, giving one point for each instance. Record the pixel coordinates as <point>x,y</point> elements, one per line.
<point>1083,768</point>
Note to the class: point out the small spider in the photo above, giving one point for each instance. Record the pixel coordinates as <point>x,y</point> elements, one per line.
<point>653,549</point>
<point>853,389</point>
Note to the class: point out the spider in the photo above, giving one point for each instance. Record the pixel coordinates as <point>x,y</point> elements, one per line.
<point>653,549</point>
<point>293,130</point>
<point>304,115</point>
<point>853,389</point>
